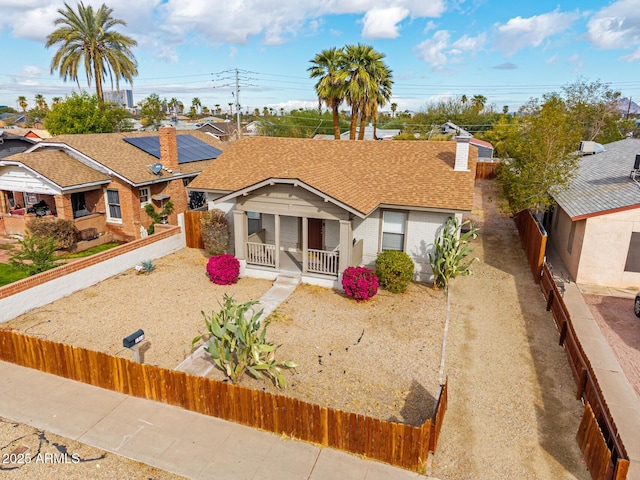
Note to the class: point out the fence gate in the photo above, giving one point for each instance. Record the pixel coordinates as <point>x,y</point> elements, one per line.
<point>193,228</point>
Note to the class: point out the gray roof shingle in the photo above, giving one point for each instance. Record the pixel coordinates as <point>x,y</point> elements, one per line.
<point>602,183</point>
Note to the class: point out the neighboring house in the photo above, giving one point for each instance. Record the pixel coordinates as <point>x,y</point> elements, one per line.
<point>12,142</point>
<point>485,149</point>
<point>223,131</point>
<point>103,181</point>
<point>595,227</point>
<point>315,207</point>
<point>381,134</point>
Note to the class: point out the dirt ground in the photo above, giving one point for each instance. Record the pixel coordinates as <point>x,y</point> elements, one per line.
<point>512,412</point>
<point>621,328</point>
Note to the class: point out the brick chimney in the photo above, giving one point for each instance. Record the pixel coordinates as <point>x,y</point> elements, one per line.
<point>462,154</point>
<point>168,148</point>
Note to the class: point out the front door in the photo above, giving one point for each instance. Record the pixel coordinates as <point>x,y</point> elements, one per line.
<point>315,233</point>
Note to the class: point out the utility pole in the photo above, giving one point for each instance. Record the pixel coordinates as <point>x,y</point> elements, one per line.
<point>239,131</point>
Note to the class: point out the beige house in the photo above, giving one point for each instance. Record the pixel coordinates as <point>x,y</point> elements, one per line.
<point>595,227</point>
<point>315,207</point>
<point>104,181</point>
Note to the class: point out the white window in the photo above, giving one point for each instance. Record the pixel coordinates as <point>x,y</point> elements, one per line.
<point>144,194</point>
<point>114,213</point>
<point>393,230</point>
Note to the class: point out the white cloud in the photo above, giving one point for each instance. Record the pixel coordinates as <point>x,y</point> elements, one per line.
<point>617,26</point>
<point>519,33</point>
<point>438,51</point>
<point>383,22</point>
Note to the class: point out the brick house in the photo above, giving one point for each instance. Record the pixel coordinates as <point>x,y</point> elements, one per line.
<point>315,207</point>
<point>103,181</point>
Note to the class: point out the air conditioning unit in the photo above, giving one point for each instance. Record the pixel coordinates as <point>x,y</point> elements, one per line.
<point>587,148</point>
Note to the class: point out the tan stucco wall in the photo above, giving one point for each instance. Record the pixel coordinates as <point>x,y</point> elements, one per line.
<point>605,245</point>
<point>559,236</point>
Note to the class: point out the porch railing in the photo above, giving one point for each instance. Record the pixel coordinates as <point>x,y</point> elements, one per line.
<point>261,254</point>
<point>322,261</point>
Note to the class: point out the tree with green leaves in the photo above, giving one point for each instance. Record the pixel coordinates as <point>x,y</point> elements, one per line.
<point>329,88</point>
<point>594,110</point>
<point>36,254</point>
<point>85,114</point>
<point>543,155</point>
<point>478,102</point>
<point>41,103</point>
<point>152,111</point>
<point>196,104</point>
<point>86,39</point>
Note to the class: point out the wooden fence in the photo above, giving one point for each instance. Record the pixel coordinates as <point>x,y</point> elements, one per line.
<point>486,170</point>
<point>395,443</point>
<point>193,228</point>
<point>598,435</point>
<point>534,241</point>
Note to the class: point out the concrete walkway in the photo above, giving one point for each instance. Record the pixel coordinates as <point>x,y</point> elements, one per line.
<point>618,392</point>
<point>176,440</point>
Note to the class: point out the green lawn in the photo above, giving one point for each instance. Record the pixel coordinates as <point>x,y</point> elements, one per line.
<point>92,250</point>
<point>10,274</point>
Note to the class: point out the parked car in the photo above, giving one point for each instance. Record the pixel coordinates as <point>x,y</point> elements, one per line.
<point>636,305</point>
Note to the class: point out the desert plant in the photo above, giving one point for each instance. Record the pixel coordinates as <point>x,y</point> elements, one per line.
<point>359,283</point>
<point>156,217</point>
<point>145,267</point>
<point>215,232</point>
<point>223,269</point>
<point>236,343</point>
<point>394,270</point>
<point>62,231</point>
<point>36,254</point>
<point>451,248</point>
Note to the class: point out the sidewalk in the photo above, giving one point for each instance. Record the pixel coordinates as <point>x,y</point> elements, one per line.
<point>618,393</point>
<point>176,440</point>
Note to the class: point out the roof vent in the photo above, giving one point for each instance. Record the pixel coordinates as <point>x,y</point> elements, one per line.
<point>636,164</point>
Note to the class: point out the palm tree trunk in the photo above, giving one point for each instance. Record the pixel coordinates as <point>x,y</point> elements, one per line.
<point>336,122</point>
<point>363,121</point>
<point>354,119</point>
<point>98,83</point>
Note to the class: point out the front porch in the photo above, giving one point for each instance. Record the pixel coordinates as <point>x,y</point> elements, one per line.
<point>317,249</point>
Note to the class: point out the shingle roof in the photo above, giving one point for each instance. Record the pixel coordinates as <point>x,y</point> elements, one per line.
<point>602,183</point>
<point>110,150</point>
<point>360,174</point>
<point>60,168</point>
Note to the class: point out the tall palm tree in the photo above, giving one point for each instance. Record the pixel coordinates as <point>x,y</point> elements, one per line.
<point>86,39</point>
<point>196,104</point>
<point>463,99</point>
<point>41,102</point>
<point>394,107</point>
<point>22,101</point>
<point>367,82</point>
<point>56,100</point>
<point>478,102</point>
<point>378,98</point>
<point>330,90</point>
<point>217,105</point>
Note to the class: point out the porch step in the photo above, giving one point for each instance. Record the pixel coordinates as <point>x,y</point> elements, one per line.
<point>288,279</point>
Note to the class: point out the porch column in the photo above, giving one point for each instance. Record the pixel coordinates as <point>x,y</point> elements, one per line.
<point>4,204</point>
<point>305,244</point>
<point>64,209</point>
<point>346,244</point>
<point>277,240</point>
<point>240,233</point>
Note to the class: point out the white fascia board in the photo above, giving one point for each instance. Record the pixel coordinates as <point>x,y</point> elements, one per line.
<point>421,209</point>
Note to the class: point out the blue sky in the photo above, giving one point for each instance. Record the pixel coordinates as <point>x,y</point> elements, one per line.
<point>508,51</point>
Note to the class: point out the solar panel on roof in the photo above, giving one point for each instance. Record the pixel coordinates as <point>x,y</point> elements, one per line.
<point>190,149</point>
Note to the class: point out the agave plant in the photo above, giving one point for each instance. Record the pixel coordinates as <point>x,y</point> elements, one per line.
<point>237,345</point>
<point>451,249</point>
<point>146,267</point>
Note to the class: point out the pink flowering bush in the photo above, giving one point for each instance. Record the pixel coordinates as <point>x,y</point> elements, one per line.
<point>359,283</point>
<point>223,269</point>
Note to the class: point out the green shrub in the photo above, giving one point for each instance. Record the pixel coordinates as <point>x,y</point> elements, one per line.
<point>394,270</point>
<point>36,254</point>
<point>236,344</point>
<point>215,232</point>
<point>62,231</point>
